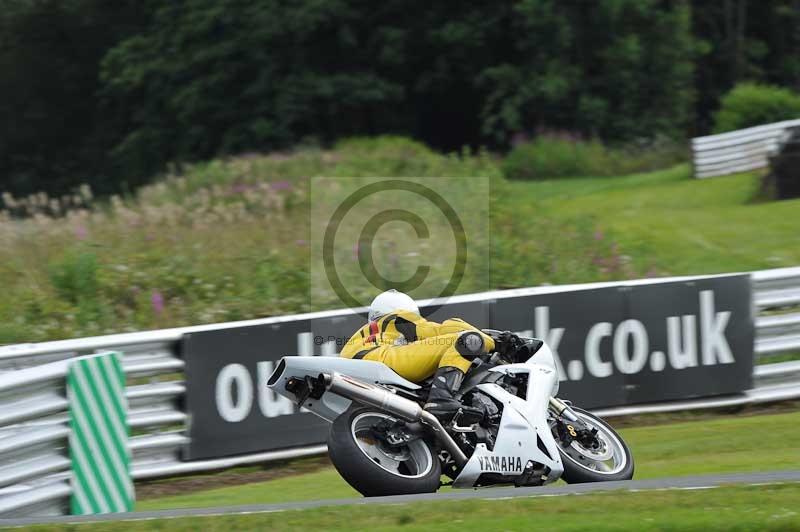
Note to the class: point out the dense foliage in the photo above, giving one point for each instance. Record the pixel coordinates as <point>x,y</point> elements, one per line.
<point>110,92</point>
<point>55,132</point>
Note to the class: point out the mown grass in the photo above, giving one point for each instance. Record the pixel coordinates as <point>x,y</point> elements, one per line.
<point>723,445</point>
<point>770,507</point>
<point>230,240</point>
<point>678,225</point>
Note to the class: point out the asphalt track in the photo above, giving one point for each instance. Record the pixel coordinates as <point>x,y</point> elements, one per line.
<point>688,483</point>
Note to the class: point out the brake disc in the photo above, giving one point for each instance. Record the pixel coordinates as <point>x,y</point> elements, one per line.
<point>598,455</point>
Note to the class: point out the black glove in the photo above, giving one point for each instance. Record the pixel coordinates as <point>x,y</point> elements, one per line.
<point>507,343</point>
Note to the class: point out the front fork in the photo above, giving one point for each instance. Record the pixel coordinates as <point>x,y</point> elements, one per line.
<point>562,409</point>
<point>570,426</point>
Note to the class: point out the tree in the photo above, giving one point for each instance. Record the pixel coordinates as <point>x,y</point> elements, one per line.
<point>51,137</point>
<point>743,40</point>
<point>111,92</point>
<point>617,69</point>
<point>210,77</point>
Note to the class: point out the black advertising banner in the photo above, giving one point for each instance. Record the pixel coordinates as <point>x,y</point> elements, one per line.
<point>698,339</point>
<point>615,345</point>
<point>643,343</point>
<point>231,410</point>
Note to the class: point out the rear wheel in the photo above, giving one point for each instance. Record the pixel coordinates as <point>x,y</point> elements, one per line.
<point>608,459</point>
<point>374,467</point>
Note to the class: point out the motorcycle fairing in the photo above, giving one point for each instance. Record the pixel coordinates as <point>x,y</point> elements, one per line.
<point>524,434</point>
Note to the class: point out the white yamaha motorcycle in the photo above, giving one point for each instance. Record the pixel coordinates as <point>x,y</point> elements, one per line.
<point>383,443</point>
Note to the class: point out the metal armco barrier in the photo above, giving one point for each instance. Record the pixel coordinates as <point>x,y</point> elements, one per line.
<point>737,151</point>
<point>33,419</point>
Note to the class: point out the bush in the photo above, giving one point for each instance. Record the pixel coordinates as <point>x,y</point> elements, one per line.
<point>751,104</point>
<point>550,156</point>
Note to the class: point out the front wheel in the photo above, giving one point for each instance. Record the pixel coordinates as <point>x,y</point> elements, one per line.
<point>609,459</point>
<point>372,466</point>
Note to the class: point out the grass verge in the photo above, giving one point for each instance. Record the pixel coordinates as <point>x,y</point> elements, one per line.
<point>723,445</point>
<point>770,507</point>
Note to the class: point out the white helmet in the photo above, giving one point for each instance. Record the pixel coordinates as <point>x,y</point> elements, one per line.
<point>391,301</point>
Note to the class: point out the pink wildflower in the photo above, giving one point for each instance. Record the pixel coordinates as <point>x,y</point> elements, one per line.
<point>157,300</point>
<point>281,185</point>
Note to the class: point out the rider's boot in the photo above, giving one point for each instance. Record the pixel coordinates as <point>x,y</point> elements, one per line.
<point>441,402</point>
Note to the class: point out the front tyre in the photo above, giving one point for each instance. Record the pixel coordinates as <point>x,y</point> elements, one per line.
<point>373,467</point>
<point>610,460</point>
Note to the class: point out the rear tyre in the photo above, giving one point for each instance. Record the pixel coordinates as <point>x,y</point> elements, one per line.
<point>371,466</point>
<point>611,461</point>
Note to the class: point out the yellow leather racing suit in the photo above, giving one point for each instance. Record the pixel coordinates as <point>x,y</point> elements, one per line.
<point>411,345</point>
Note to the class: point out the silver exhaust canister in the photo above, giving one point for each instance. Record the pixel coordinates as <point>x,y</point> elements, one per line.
<point>384,399</point>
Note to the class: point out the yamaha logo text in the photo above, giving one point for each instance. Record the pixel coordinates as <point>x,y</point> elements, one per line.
<point>497,464</point>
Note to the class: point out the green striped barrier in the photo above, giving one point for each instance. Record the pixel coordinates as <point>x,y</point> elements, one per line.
<point>99,432</point>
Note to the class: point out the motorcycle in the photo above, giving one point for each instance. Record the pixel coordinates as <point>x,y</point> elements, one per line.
<point>512,430</point>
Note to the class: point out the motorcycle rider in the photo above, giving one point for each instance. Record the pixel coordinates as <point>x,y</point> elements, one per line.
<point>416,348</point>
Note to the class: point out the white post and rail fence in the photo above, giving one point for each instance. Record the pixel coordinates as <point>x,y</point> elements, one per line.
<point>739,151</point>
